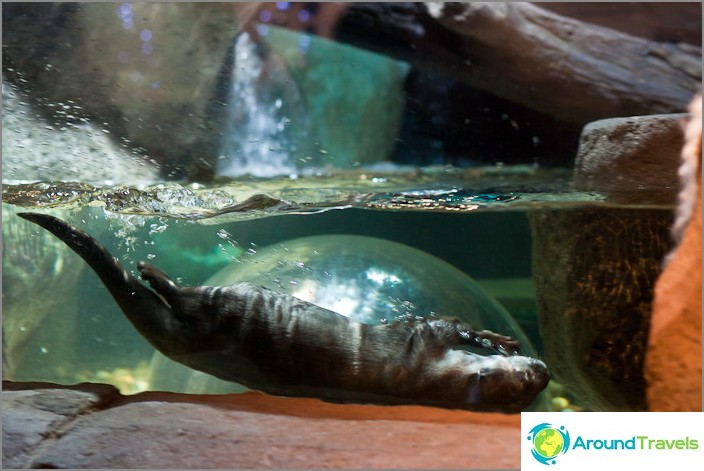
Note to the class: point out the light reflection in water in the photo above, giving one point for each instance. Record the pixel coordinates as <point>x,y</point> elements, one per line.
<point>258,139</point>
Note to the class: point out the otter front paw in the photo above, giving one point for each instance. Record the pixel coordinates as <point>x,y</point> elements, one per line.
<point>488,339</point>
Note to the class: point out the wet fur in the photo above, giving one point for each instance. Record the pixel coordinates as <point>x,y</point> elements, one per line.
<point>281,345</point>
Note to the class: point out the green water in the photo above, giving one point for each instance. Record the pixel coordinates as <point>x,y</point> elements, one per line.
<point>479,223</point>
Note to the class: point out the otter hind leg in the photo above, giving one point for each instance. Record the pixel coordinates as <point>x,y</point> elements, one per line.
<point>158,280</point>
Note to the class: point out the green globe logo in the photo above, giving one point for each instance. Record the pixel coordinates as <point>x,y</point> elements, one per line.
<point>548,442</point>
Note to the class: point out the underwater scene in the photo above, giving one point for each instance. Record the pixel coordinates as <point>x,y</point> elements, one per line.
<point>353,178</point>
<point>372,254</point>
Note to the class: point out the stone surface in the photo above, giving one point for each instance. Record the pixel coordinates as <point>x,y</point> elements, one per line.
<point>674,357</point>
<point>572,70</point>
<point>33,418</point>
<point>355,115</point>
<point>148,71</point>
<point>595,269</point>
<point>252,430</point>
<point>286,113</point>
<point>631,160</point>
<point>36,149</point>
<point>670,22</point>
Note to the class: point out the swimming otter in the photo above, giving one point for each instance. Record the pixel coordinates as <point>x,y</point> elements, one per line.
<point>281,345</point>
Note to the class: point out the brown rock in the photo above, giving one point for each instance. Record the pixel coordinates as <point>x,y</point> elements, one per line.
<point>253,430</point>
<point>631,160</point>
<point>658,21</point>
<point>574,71</point>
<point>674,357</point>
<point>595,268</point>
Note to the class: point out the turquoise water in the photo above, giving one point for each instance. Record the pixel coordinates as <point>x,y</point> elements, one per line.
<point>75,332</point>
<point>300,146</point>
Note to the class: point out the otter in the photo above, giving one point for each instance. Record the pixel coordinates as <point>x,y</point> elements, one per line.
<point>280,345</point>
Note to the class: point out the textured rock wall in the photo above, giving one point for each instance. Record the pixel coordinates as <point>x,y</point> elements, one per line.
<point>148,72</point>
<point>674,359</point>
<point>631,160</point>
<point>93,426</point>
<point>594,269</point>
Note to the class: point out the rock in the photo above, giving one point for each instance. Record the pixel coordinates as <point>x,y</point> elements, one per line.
<point>320,19</point>
<point>147,72</point>
<point>252,430</point>
<point>674,357</point>
<point>595,269</point>
<point>36,149</point>
<point>354,98</point>
<point>286,113</point>
<point>30,417</point>
<point>657,21</point>
<point>573,71</point>
<point>635,161</point>
<point>631,160</point>
<point>134,78</point>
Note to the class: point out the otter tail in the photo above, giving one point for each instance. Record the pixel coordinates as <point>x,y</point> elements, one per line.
<point>144,308</point>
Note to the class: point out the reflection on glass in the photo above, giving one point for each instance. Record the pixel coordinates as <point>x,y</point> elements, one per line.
<point>368,279</point>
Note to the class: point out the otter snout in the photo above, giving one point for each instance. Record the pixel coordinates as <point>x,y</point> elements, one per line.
<point>510,384</point>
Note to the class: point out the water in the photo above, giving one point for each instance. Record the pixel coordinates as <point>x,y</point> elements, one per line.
<point>297,132</point>
<point>260,138</point>
<point>61,325</point>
